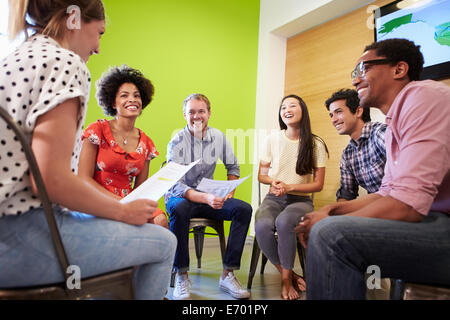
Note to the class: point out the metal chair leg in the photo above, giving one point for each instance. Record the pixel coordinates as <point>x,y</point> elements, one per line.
<point>253,263</point>
<point>221,234</point>
<point>301,257</point>
<point>172,278</point>
<point>199,238</point>
<point>397,289</point>
<point>263,263</point>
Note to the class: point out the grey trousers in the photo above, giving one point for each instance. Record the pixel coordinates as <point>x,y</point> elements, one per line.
<point>281,215</point>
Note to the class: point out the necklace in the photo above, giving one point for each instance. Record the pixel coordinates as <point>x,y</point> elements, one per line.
<point>125,140</point>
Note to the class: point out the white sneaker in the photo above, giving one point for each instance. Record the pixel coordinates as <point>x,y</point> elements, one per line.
<point>181,290</point>
<point>232,286</point>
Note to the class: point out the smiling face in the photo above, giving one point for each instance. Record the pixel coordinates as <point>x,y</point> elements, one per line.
<point>291,112</point>
<point>86,40</point>
<point>197,115</point>
<point>343,119</point>
<point>375,83</point>
<point>128,101</point>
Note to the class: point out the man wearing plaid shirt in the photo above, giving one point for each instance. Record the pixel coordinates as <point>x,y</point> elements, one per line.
<point>363,160</point>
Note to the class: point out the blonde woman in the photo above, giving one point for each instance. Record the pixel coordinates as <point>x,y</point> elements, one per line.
<point>44,85</point>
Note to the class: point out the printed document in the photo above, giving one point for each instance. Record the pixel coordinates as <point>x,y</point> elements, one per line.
<point>219,188</point>
<point>154,187</point>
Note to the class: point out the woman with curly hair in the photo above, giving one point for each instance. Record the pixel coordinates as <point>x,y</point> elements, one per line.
<point>116,155</point>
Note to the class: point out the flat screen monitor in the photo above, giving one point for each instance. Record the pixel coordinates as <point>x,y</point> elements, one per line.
<point>426,23</point>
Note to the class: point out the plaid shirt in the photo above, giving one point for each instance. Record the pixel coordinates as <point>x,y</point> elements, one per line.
<point>362,162</point>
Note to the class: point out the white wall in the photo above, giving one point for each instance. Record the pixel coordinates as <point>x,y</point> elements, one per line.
<point>279,20</point>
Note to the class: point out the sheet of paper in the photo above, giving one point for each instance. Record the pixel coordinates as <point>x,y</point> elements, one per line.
<point>154,187</point>
<point>219,188</point>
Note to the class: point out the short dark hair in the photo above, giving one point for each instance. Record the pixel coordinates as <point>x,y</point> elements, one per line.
<point>110,82</point>
<point>351,101</point>
<point>398,50</point>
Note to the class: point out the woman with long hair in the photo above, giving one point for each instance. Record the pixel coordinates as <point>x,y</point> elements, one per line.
<point>296,160</point>
<point>44,86</point>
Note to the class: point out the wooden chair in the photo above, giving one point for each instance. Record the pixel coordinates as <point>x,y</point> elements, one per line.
<point>112,285</point>
<point>256,251</point>
<point>419,291</point>
<point>197,226</point>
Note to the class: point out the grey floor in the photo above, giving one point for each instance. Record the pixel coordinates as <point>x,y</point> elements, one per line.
<point>205,281</point>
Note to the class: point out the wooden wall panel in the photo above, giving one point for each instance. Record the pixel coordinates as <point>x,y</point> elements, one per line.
<point>319,62</point>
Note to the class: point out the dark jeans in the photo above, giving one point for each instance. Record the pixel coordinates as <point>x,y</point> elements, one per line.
<point>341,248</point>
<point>182,210</point>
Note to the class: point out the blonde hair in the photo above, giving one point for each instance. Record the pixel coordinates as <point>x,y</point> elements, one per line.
<point>196,96</point>
<point>48,16</point>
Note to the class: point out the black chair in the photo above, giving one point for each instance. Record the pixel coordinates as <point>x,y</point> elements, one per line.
<point>256,252</point>
<point>112,285</point>
<point>197,226</point>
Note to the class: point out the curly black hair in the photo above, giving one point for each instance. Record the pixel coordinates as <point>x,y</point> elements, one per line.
<point>110,82</point>
<point>400,50</point>
<point>351,101</point>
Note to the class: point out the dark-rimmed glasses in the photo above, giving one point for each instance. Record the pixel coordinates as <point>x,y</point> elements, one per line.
<point>360,69</point>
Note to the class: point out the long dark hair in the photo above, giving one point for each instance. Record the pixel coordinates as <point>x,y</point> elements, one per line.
<point>305,158</point>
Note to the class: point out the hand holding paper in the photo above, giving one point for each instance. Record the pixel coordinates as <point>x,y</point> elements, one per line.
<point>154,187</point>
<point>219,188</point>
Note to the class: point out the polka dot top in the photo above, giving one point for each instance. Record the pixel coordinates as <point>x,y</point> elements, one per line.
<point>34,79</point>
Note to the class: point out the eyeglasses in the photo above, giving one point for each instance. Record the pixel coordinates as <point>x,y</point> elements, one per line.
<point>360,69</point>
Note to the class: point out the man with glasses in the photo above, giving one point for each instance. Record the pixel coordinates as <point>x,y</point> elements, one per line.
<point>183,201</point>
<point>403,230</point>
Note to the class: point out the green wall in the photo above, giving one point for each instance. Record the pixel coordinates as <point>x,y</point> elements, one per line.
<point>185,46</point>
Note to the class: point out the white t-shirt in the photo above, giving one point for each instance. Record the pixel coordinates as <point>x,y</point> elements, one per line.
<point>34,79</point>
<point>282,153</point>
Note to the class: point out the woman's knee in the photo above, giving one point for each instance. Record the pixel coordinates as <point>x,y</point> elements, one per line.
<point>167,240</point>
<point>286,222</point>
<point>172,243</point>
<point>263,227</point>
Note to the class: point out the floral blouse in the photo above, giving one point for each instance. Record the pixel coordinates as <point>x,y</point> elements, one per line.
<point>116,169</point>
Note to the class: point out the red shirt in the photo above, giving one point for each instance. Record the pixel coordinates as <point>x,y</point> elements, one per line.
<point>115,169</point>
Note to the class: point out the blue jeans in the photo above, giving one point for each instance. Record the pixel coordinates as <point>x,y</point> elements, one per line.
<point>95,245</point>
<point>341,248</point>
<point>182,210</point>
<point>281,214</point>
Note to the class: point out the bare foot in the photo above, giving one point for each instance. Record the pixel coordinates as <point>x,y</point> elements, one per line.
<point>288,291</point>
<point>298,282</point>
